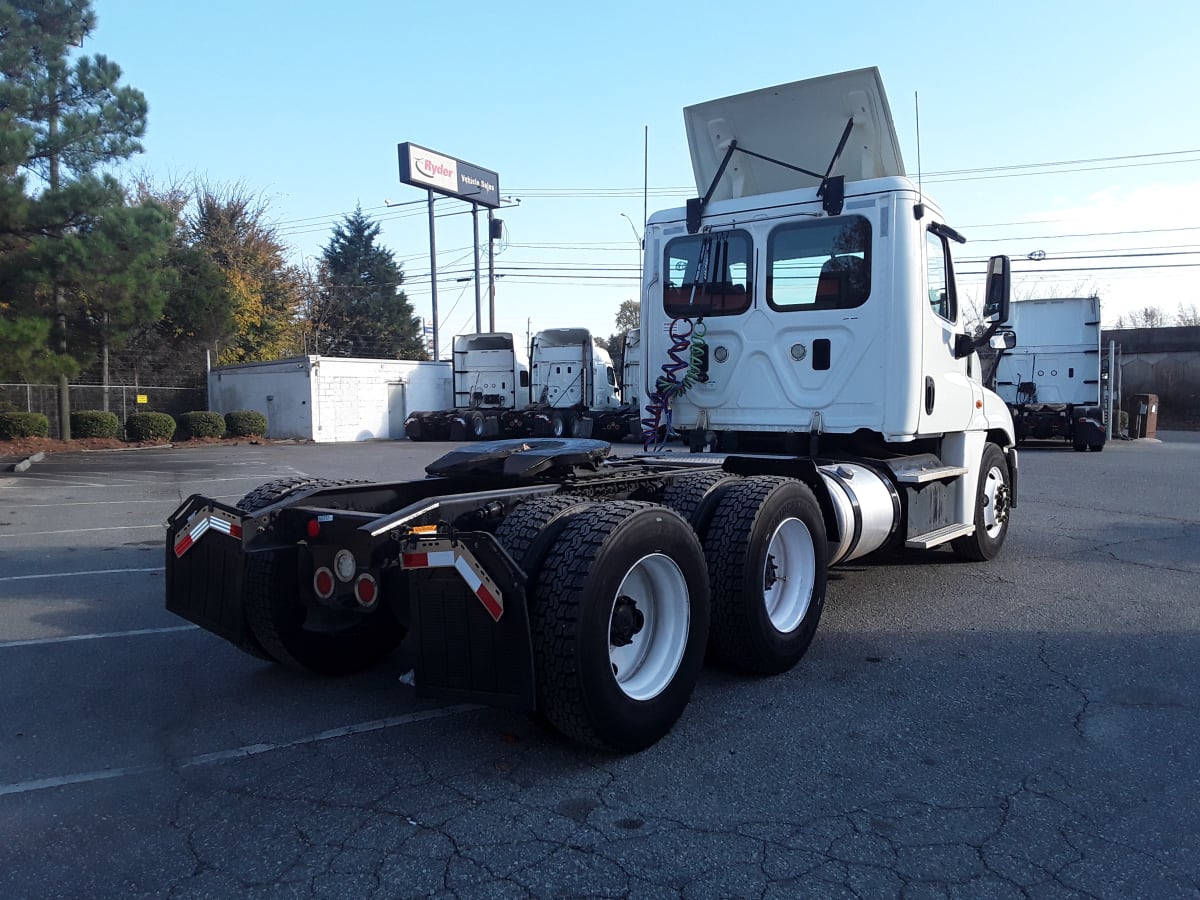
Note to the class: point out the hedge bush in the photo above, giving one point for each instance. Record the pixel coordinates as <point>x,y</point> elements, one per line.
<point>149,426</point>
<point>23,424</point>
<point>95,423</point>
<point>202,423</point>
<point>245,423</point>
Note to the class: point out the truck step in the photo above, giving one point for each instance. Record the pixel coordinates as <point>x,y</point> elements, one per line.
<point>938,537</point>
<point>925,474</point>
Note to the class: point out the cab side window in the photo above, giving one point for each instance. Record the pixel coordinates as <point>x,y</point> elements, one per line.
<point>940,278</point>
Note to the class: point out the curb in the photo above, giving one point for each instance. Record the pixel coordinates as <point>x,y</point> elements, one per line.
<point>24,464</point>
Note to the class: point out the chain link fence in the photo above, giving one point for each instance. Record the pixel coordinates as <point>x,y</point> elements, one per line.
<point>120,399</point>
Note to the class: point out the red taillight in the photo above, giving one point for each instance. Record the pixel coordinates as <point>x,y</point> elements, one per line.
<point>313,528</point>
<point>323,583</point>
<point>366,591</point>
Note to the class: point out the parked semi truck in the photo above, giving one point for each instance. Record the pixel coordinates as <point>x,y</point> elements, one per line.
<point>573,389</point>
<point>490,378</point>
<point>806,300</point>
<point>1051,379</point>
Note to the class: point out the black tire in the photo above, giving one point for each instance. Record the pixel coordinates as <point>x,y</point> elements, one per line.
<point>624,696</point>
<point>695,496</point>
<point>1095,448</point>
<point>558,424</point>
<point>260,498</point>
<point>761,526</point>
<point>277,617</point>
<point>527,532</point>
<point>273,491</point>
<point>991,510</point>
<point>476,426</point>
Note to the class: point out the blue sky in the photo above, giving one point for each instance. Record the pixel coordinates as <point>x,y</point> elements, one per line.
<point>304,102</point>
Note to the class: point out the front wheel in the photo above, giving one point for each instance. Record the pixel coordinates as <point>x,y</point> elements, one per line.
<point>620,617</point>
<point>992,508</point>
<point>767,553</point>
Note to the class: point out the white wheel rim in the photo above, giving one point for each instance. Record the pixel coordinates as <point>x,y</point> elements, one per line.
<point>789,573</point>
<point>995,506</point>
<point>644,667</point>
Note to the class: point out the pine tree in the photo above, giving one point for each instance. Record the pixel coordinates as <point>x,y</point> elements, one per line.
<point>63,117</point>
<point>360,309</point>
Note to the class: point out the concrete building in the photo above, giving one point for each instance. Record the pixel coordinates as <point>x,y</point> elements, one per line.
<point>327,399</point>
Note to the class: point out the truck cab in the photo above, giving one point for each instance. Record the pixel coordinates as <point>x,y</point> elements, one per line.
<point>570,371</point>
<point>798,303</point>
<point>490,372</point>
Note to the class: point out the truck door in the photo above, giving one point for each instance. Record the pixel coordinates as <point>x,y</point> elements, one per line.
<point>947,396</point>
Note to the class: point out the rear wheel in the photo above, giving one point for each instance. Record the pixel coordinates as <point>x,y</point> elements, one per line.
<point>527,532</point>
<point>558,424</point>
<point>695,496</point>
<point>1095,447</point>
<point>281,488</point>
<point>286,628</point>
<point>767,551</point>
<point>275,613</point>
<point>620,616</point>
<point>991,510</point>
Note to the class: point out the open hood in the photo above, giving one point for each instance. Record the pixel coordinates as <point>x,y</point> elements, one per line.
<point>800,124</point>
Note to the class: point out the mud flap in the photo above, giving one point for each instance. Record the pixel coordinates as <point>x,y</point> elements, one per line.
<point>461,652</point>
<point>204,583</point>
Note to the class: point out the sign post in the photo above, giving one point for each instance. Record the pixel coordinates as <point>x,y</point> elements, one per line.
<point>452,177</point>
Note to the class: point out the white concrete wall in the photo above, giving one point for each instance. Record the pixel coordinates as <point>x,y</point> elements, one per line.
<point>326,399</point>
<point>281,390</point>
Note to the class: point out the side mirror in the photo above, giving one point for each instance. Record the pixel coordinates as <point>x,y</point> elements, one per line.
<point>996,294</point>
<point>1003,340</point>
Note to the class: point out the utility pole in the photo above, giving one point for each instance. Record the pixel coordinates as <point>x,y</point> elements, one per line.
<point>60,299</point>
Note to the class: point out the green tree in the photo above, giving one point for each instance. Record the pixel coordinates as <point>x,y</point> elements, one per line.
<point>359,309</point>
<point>63,117</point>
<point>232,228</point>
<point>629,316</point>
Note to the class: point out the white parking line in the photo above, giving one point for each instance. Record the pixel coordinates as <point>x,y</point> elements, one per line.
<point>73,574</point>
<point>33,642</point>
<point>159,525</point>
<point>206,759</point>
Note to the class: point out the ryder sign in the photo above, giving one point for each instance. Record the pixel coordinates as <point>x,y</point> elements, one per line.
<point>446,175</point>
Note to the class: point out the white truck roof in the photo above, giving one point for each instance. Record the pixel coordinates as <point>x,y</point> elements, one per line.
<point>800,124</point>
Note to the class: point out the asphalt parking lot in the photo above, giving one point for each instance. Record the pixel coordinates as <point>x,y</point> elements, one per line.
<point>1021,728</point>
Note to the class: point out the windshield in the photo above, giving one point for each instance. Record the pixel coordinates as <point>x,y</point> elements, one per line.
<point>708,275</point>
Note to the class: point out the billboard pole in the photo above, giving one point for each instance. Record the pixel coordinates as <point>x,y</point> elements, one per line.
<point>478,286</point>
<point>491,270</point>
<point>433,275</point>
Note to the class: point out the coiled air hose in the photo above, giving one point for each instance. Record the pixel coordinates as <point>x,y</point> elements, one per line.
<point>686,355</point>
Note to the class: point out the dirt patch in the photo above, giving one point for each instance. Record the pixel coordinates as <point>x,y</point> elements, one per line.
<point>30,446</point>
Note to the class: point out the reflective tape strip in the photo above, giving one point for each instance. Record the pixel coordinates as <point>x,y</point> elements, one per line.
<point>200,523</point>
<point>462,561</point>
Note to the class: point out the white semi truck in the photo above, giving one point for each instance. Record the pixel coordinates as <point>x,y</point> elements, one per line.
<point>805,302</point>
<point>490,378</point>
<point>573,389</point>
<point>1051,379</point>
